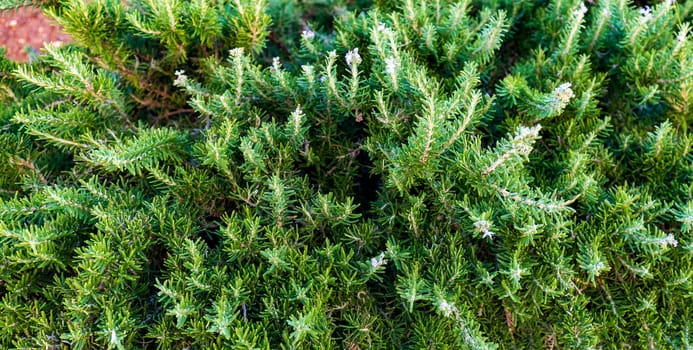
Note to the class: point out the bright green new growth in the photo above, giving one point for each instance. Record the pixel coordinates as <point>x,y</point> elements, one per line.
<point>415,174</point>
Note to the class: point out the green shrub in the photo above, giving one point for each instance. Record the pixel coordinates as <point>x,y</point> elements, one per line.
<point>249,174</point>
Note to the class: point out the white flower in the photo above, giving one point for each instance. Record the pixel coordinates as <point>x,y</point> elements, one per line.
<point>236,52</point>
<point>381,26</point>
<point>353,57</point>
<point>646,13</point>
<point>447,308</point>
<point>391,65</point>
<point>114,337</point>
<point>276,64</point>
<point>181,78</point>
<point>525,132</point>
<point>681,36</point>
<point>308,34</point>
<point>669,240</point>
<point>484,226</point>
<point>564,93</point>
<point>377,261</point>
<point>522,142</point>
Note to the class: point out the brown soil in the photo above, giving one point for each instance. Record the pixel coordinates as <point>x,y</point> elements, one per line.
<point>27,27</point>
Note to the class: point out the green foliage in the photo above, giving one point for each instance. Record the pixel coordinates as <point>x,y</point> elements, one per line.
<point>346,174</point>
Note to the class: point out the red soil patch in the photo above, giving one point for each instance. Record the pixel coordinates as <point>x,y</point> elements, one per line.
<point>27,27</point>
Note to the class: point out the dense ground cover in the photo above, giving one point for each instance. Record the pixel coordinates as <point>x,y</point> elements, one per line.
<point>350,174</point>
